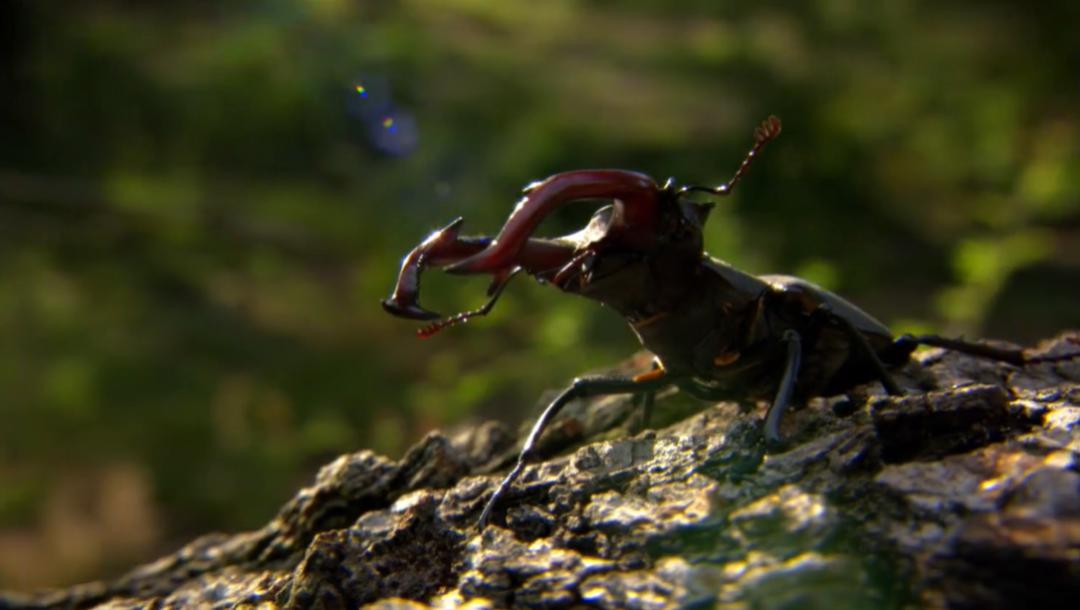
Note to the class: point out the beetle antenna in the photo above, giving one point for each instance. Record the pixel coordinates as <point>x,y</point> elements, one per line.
<point>763,134</point>
<point>495,290</point>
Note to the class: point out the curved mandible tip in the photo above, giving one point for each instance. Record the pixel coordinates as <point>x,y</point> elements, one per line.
<point>407,310</point>
<point>637,192</point>
<point>440,245</point>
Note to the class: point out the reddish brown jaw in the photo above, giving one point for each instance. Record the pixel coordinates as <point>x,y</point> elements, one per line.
<point>408,310</point>
<point>514,247</point>
<point>486,261</point>
<point>637,192</point>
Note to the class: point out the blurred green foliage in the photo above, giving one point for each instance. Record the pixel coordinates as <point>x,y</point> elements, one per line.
<point>199,211</point>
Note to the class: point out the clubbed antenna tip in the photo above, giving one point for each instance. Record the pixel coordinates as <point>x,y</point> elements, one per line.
<point>768,130</point>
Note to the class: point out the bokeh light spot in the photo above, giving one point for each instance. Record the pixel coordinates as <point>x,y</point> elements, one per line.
<point>395,134</point>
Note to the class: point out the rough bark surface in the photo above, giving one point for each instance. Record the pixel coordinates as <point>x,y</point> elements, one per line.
<point>964,493</point>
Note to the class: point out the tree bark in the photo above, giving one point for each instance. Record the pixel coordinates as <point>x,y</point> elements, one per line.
<point>962,493</point>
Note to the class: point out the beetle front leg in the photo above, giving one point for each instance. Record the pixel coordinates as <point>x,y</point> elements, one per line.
<point>495,291</point>
<point>645,401</point>
<point>446,247</point>
<point>786,388</point>
<point>582,387</point>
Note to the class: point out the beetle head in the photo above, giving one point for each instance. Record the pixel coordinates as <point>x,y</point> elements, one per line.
<point>632,266</point>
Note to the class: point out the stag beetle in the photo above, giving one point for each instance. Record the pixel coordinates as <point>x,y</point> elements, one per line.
<point>716,332</point>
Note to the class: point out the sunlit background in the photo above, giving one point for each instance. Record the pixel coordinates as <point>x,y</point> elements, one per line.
<point>201,204</point>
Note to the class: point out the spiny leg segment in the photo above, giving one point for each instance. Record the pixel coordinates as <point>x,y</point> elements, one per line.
<point>582,387</point>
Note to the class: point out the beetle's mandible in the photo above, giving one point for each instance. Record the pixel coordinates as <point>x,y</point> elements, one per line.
<point>716,332</point>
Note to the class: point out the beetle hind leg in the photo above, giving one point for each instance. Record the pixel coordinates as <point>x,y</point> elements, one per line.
<point>861,349</point>
<point>1011,355</point>
<point>1003,354</point>
<point>646,400</point>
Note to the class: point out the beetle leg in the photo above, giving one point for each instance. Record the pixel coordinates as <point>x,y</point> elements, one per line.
<point>865,351</point>
<point>786,389</point>
<point>1057,358</point>
<point>582,387</point>
<point>1004,354</point>
<point>645,400</point>
<point>496,290</point>
<point>1010,355</point>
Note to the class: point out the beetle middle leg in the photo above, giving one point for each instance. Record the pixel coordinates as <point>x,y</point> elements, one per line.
<point>582,387</point>
<point>784,391</point>
<point>822,317</point>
